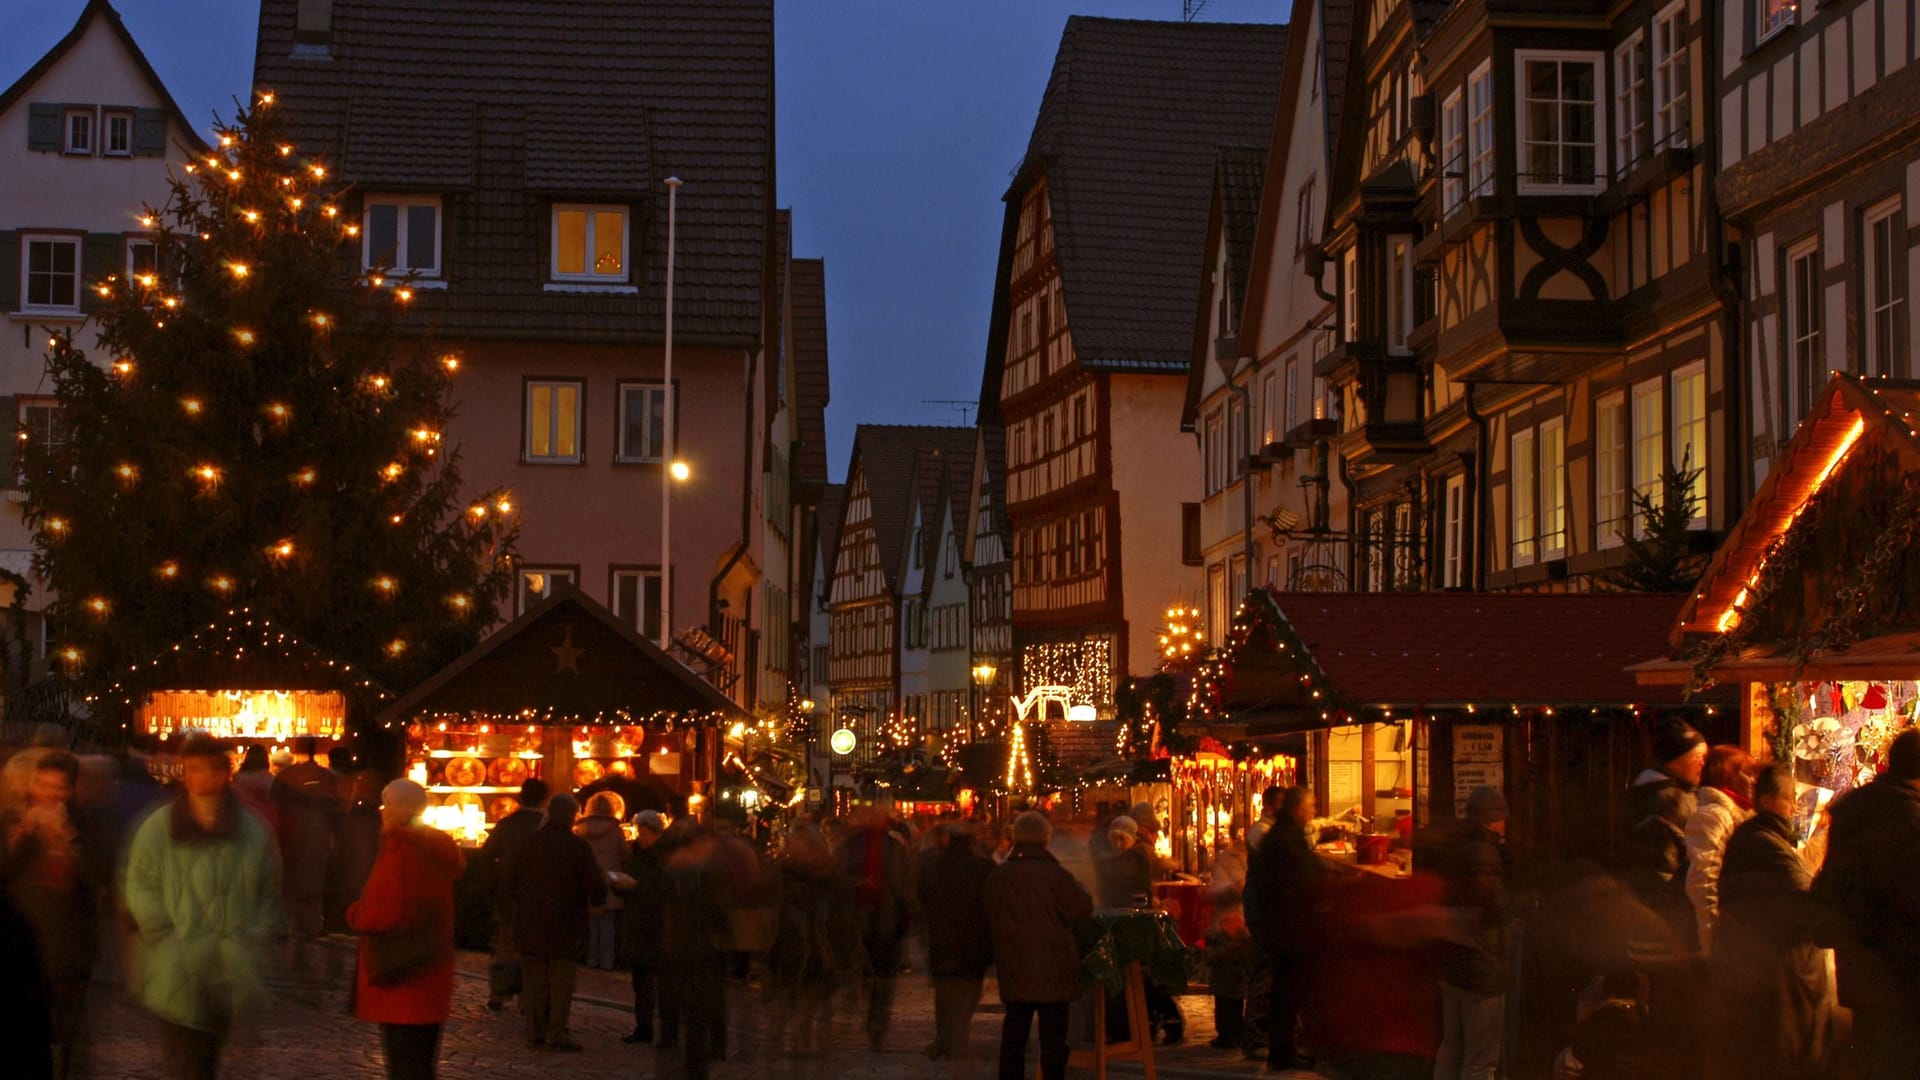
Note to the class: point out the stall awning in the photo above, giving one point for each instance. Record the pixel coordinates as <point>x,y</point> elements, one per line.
<point>1410,651</point>
<point>1895,656</point>
<point>568,659</point>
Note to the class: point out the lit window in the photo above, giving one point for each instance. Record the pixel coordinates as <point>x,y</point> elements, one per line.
<point>590,243</point>
<point>1559,97</point>
<point>1801,328</point>
<point>1774,16</point>
<point>78,124</point>
<point>636,600</point>
<point>1881,278</point>
<point>1480,130</point>
<point>1400,291</point>
<point>1629,119</point>
<point>1649,446</point>
<point>119,134</point>
<point>553,422</point>
<point>50,273</point>
<point>1522,497</point>
<point>1610,469</point>
<point>1453,151</point>
<point>1453,532</point>
<point>1350,293</point>
<point>1305,228</point>
<point>1553,490</point>
<point>1689,451</point>
<point>402,234</point>
<point>1672,123</point>
<point>643,422</point>
<point>537,582</point>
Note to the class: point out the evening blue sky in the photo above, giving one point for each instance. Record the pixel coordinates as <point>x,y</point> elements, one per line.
<point>899,122</point>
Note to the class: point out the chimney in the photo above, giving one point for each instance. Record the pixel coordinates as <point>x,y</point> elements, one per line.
<point>313,27</point>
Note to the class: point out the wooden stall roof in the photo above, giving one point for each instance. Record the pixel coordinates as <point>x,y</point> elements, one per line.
<point>1441,650</point>
<point>566,656</point>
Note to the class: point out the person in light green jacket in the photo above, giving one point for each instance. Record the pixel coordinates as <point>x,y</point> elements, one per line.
<point>202,882</point>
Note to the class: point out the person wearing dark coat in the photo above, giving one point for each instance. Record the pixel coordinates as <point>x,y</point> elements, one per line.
<point>640,919</point>
<point>43,870</point>
<point>877,862</point>
<point>1769,998</point>
<point>1474,972</point>
<point>1286,887</point>
<point>497,854</point>
<point>1033,905</point>
<point>1654,865</point>
<point>26,1006</point>
<point>953,883</point>
<point>1870,879</point>
<point>554,883</point>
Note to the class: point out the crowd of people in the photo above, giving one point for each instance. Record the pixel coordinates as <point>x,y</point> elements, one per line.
<point>1710,953</point>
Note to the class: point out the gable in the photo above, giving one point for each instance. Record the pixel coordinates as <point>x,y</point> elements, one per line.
<point>98,63</point>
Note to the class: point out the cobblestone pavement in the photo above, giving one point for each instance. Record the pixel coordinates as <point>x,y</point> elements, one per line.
<point>306,1034</point>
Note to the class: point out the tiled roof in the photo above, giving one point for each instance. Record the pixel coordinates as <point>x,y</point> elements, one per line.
<point>1125,139</point>
<point>1336,45</point>
<point>886,454</point>
<point>827,522</point>
<point>503,105</point>
<point>1411,650</point>
<point>943,473</point>
<point>810,370</point>
<point>1241,170</point>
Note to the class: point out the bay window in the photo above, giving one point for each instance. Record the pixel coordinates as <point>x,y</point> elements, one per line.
<point>1559,95</point>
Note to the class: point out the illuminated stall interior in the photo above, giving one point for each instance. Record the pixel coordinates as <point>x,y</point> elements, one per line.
<point>571,695</point>
<point>1214,799</point>
<point>1812,605</point>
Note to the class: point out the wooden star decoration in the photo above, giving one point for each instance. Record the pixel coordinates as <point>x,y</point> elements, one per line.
<point>566,655</point>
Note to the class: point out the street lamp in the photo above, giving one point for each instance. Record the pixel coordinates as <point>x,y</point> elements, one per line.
<point>678,470</point>
<point>983,673</point>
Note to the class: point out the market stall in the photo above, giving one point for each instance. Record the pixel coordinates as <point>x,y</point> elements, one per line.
<point>1810,608</point>
<point>1409,701</point>
<point>246,680</point>
<point>1215,798</point>
<point>571,695</point>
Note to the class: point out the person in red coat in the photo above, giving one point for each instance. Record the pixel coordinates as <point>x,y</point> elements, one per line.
<point>411,885</point>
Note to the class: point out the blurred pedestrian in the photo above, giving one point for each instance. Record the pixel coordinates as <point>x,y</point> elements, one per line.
<point>643,908</point>
<point>202,883</point>
<point>357,845</point>
<point>1870,878</point>
<point>1474,972</point>
<point>812,939</point>
<point>44,870</point>
<point>1124,875</point>
<point>1770,999</point>
<point>694,948</point>
<point>1285,889</point>
<point>554,883</point>
<point>505,976</point>
<point>253,784</point>
<point>405,919</point>
<point>875,860</point>
<point>952,884</point>
<point>307,799</point>
<point>1659,804</point>
<point>26,1016</point>
<point>601,830</point>
<point>1725,800</point>
<point>1270,801</point>
<point>1033,905</point>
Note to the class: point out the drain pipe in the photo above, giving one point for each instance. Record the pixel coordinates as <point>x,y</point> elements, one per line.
<point>1481,468</point>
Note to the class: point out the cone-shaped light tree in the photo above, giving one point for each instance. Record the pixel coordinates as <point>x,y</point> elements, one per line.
<point>252,430</point>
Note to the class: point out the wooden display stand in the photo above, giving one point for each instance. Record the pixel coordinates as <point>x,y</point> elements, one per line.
<point>1139,1043</point>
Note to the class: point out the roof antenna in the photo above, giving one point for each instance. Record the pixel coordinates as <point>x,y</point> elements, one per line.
<point>1190,9</point>
<point>962,407</point>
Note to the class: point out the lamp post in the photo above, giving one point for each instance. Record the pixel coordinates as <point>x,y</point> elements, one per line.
<point>983,673</point>
<point>671,470</point>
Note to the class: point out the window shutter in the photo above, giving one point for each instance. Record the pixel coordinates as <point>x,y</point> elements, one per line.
<point>10,298</point>
<point>9,422</point>
<point>150,132</point>
<point>43,126</point>
<point>100,254</point>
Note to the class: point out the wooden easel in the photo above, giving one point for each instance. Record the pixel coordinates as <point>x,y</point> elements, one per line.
<point>1139,1042</point>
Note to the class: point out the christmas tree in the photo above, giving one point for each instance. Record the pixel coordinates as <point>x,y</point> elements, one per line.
<point>253,431</point>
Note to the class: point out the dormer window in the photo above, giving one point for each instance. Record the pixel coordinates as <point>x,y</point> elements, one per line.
<point>78,124</point>
<point>402,235</point>
<point>1560,146</point>
<point>590,243</point>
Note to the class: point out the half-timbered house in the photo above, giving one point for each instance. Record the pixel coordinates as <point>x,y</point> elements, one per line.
<point>985,546</point>
<point>1533,299</point>
<point>1092,321</point>
<point>1819,159</point>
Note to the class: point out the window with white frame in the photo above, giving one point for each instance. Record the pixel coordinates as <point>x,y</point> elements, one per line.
<point>1689,450</point>
<point>1350,293</point>
<point>1629,116</point>
<point>643,422</point>
<point>1773,16</point>
<point>1216,603</point>
<point>119,134</point>
<point>536,583</point>
<point>1559,95</point>
<point>1293,395</point>
<point>1649,447</point>
<point>1272,425</point>
<point>1480,130</point>
<point>1453,538</point>
<point>1399,291</point>
<point>1453,150</point>
<point>1884,237</point>
<point>402,234</point>
<point>78,125</point>
<point>1216,450</point>
<point>1523,497</point>
<point>1237,579</point>
<point>589,243</point>
<point>43,424</point>
<point>49,273</point>
<point>1672,86</point>
<point>636,600</point>
<point>1553,489</point>
<point>1305,228</point>
<point>1236,438</point>
<point>1610,469</point>
<point>142,257</point>
<point>1801,329</point>
<point>553,421</point>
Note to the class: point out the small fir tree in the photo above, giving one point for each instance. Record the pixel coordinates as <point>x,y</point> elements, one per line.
<point>255,432</point>
<point>1660,554</point>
